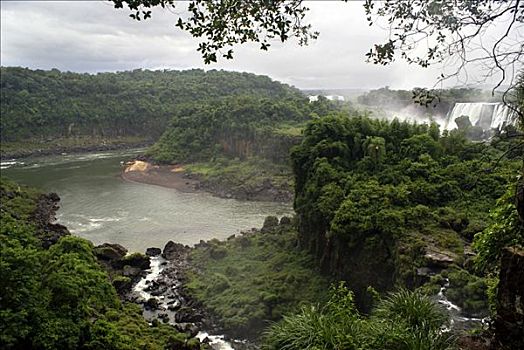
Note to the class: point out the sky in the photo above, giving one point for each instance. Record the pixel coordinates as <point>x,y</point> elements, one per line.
<point>92,36</point>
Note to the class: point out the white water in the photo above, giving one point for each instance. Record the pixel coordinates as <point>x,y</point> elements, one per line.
<point>487,115</point>
<point>456,312</point>
<point>216,342</point>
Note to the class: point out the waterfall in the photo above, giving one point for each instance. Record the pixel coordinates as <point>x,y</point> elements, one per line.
<point>487,115</point>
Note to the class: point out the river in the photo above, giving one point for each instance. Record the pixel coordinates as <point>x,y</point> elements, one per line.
<point>98,205</point>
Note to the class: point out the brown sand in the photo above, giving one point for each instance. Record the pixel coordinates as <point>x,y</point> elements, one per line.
<point>171,176</point>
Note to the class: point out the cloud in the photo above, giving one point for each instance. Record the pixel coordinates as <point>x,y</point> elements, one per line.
<point>93,37</point>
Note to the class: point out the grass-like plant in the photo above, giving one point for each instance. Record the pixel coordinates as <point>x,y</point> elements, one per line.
<point>405,320</point>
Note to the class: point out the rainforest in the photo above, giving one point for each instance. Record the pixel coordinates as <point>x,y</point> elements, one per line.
<point>304,206</point>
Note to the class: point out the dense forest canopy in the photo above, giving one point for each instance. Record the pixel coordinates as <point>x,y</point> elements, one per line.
<point>38,104</point>
<point>241,126</point>
<point>393,190</point>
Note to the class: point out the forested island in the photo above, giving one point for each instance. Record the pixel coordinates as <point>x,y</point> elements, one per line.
<point>394,220</point>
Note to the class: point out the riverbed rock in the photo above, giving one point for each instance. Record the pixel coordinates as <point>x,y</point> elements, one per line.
<point>131,271</point>
<point>152,304</point>
<point>122,284</point>
<point>138,260</point>
<point>188,315</point>
<point>173,250</point>
<point>509,322</point>
<point>189,328</point>
<point>110,251</point>
<point>153,251</point>
<point>285,220</point>
<point>270,222</point>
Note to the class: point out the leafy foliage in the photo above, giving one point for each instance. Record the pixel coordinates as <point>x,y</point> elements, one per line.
<point>42,105</point>
<point>61,298</point>
<point>235,127</point>
<point>422,195</point>
<point>255,278</point>
<point>505,230</point>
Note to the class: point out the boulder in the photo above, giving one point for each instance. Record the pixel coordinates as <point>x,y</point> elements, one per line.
<point>189,328</point>
<point>131,271</point>
<point>122,284</point>
<point>110,251</point>
<point>270,222</point>
<point>153,251</point>
<point>138,260</point>
<point>187,315</point>
<point>152,304</point>
<point>285,220</point>
<point>173,250</point>
<point>439,258</point>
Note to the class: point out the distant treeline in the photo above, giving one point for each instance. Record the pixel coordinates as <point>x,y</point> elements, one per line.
<point>38,104</point>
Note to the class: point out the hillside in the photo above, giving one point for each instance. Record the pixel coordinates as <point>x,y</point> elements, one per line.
<point>44,105</point>
<point>239,146</point>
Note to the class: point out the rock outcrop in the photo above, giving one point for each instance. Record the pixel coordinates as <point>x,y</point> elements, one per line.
<point>153,251</point>
<point>44,218</point>
<point>110,251</point>
<point>173,251</point>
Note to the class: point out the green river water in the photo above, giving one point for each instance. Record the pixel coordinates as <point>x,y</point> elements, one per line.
<point>98,205</point>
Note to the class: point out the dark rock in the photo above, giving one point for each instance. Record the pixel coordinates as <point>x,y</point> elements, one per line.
<point>189,328</point>
<point>174,250</point>
<point>285,220</point>
<point>131,271</point>
<point>152,304</point>
<point>230,238</point>
<point>110,251</point>
<point>44,216</point>
<point>509,322</point>
<point>138,260</point>
<point>164,317</point>
<point>270,222</point>
<point>153,251</point>
<point>187,315</point>
<point>202,244</point>
<point>173,307</point>
<point>122,284</point>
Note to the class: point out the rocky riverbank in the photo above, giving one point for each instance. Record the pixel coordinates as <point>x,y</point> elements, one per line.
<point>142,170</point>
<point>171,176</point>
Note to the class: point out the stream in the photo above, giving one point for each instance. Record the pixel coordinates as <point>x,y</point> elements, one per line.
<point>458,321</point>
<point>168,301</point>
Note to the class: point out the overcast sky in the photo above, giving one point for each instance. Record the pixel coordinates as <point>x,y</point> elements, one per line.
<point>92,36</point>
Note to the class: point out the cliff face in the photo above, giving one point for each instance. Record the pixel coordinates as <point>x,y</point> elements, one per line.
<point>509,322</point>
<point>371,262</point>
<point>269,146</point>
